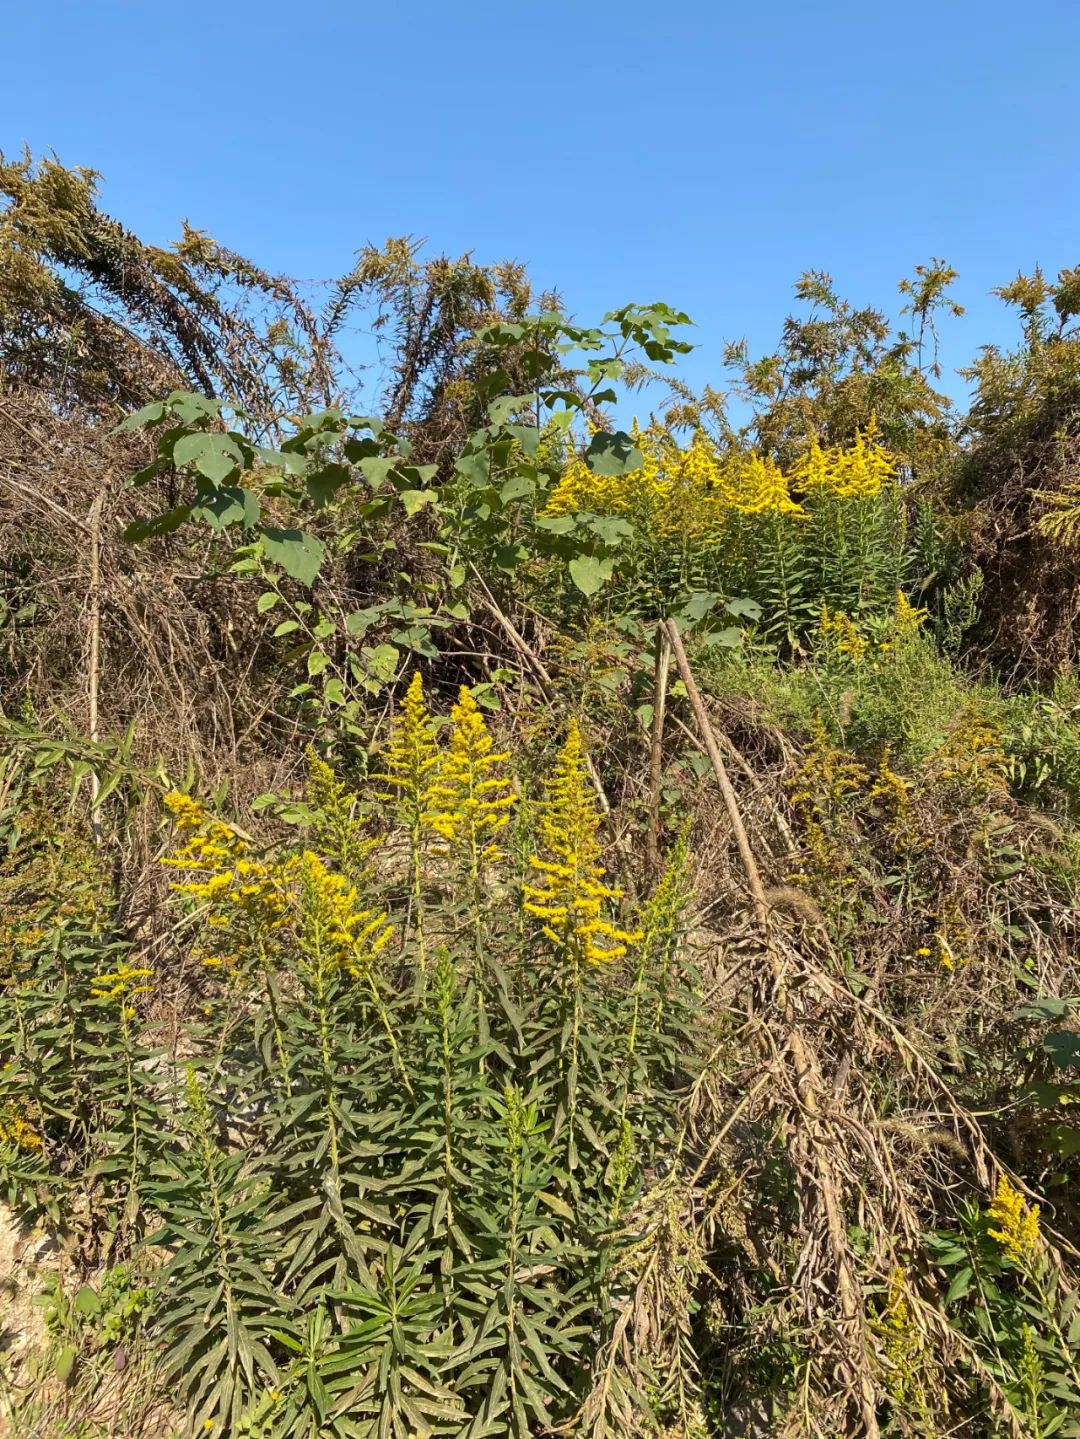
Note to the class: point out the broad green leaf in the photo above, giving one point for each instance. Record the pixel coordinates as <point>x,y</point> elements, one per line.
<point>589,573</point>
<point>157,524</point>
<point>743,608</point>
<point>729,639</point>
<point>382,661</point>
<point>613,454</point>
<point>298,552</point>
<point>415,500</point>
<point>142,419</point>
<point>87,1302</point>
<point>227,505</point>
<point>1063,1047</point>
<point>215,456</point>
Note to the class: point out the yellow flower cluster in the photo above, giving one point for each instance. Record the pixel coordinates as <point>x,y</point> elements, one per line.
<point>858,471</point>
<point>699,493</point>
<point>569,894</point>
<point>842,634</point>
<point>236,889</point>
<point>334,930</point>
<point>123,983</point>
<point>908,619</point>
<point>15,1128</point>
<point>259,898</point>
<point>411,756</point>
<point>972,753</point>
<point>1017,1224</point>
<point>340,829</point>
<point>471,795</point>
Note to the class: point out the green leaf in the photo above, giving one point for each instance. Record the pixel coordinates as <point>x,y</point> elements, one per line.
<point>729,639</point>
<point>151,414</point>
<point>502,409</point>
<point>298,553</point>
<point>189,407</point>
<point>516,488</point>
<point>65,1363</point>
<point>743,608</point>
<point>324,483</point>
<point>317,662</point>
<point>157,524</point>
<point>613,454</point>
<point>1063,1047</point>
<point>589,572</point>
<point>267,600</point>
<point>375,469</point>
<point>87,1302</point>
<point>1045,1009</point>
<point>698,606</point>
<point>215,456</point>
<point>961,1283</point>
<point>382,661</point>
<point>414,500</point>
<point>227,505</point>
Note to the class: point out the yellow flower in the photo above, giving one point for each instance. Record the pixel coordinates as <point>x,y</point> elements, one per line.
<point>569,894</point>
<point>1017,1224</point>
<point>908,618</point>
<point>16,1129</point>
<point>843,634</point>
<point>187,813</point>
<point>411,756</point>
<point>340,830</point>
<point>471,799</point>
<point>335,932</point>
<point>858,472</point>
<point>123,983</point>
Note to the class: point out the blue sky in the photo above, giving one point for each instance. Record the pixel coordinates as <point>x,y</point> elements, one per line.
<point>700,153</point>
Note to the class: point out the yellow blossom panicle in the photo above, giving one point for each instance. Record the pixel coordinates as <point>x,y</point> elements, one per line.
<point>858,471</point>
<point>15,1128</point>
<point>842,635</point>
<point>411,756</point>
<point>187,813</point>
<point>124,983</point>
<point>240,894</point>
<point>908,619</point>
<point>334,932</point>
<point>1017,1224</point>
<point>699,494</point>
<point>569,893</point>
<point>972,753</point>
<point>411,763</point>
<point>471,799</point>
<point>340,829</point>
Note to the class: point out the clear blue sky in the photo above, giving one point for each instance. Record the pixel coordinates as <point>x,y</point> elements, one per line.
<point>701,153</point>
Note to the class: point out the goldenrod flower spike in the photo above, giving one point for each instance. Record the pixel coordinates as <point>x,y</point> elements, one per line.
<point>412,760</point>
<point>1017,1223</point>
<point>411,754</point>
<point>569,894</point>
<point>15,1128</point>
<point>471,799</point>
<point>345,937</point>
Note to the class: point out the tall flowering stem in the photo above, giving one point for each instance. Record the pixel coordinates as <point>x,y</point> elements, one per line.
<point>569,895</point>
<point>411,765</point>
<point>244,899</point>
<point>471,801</point>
